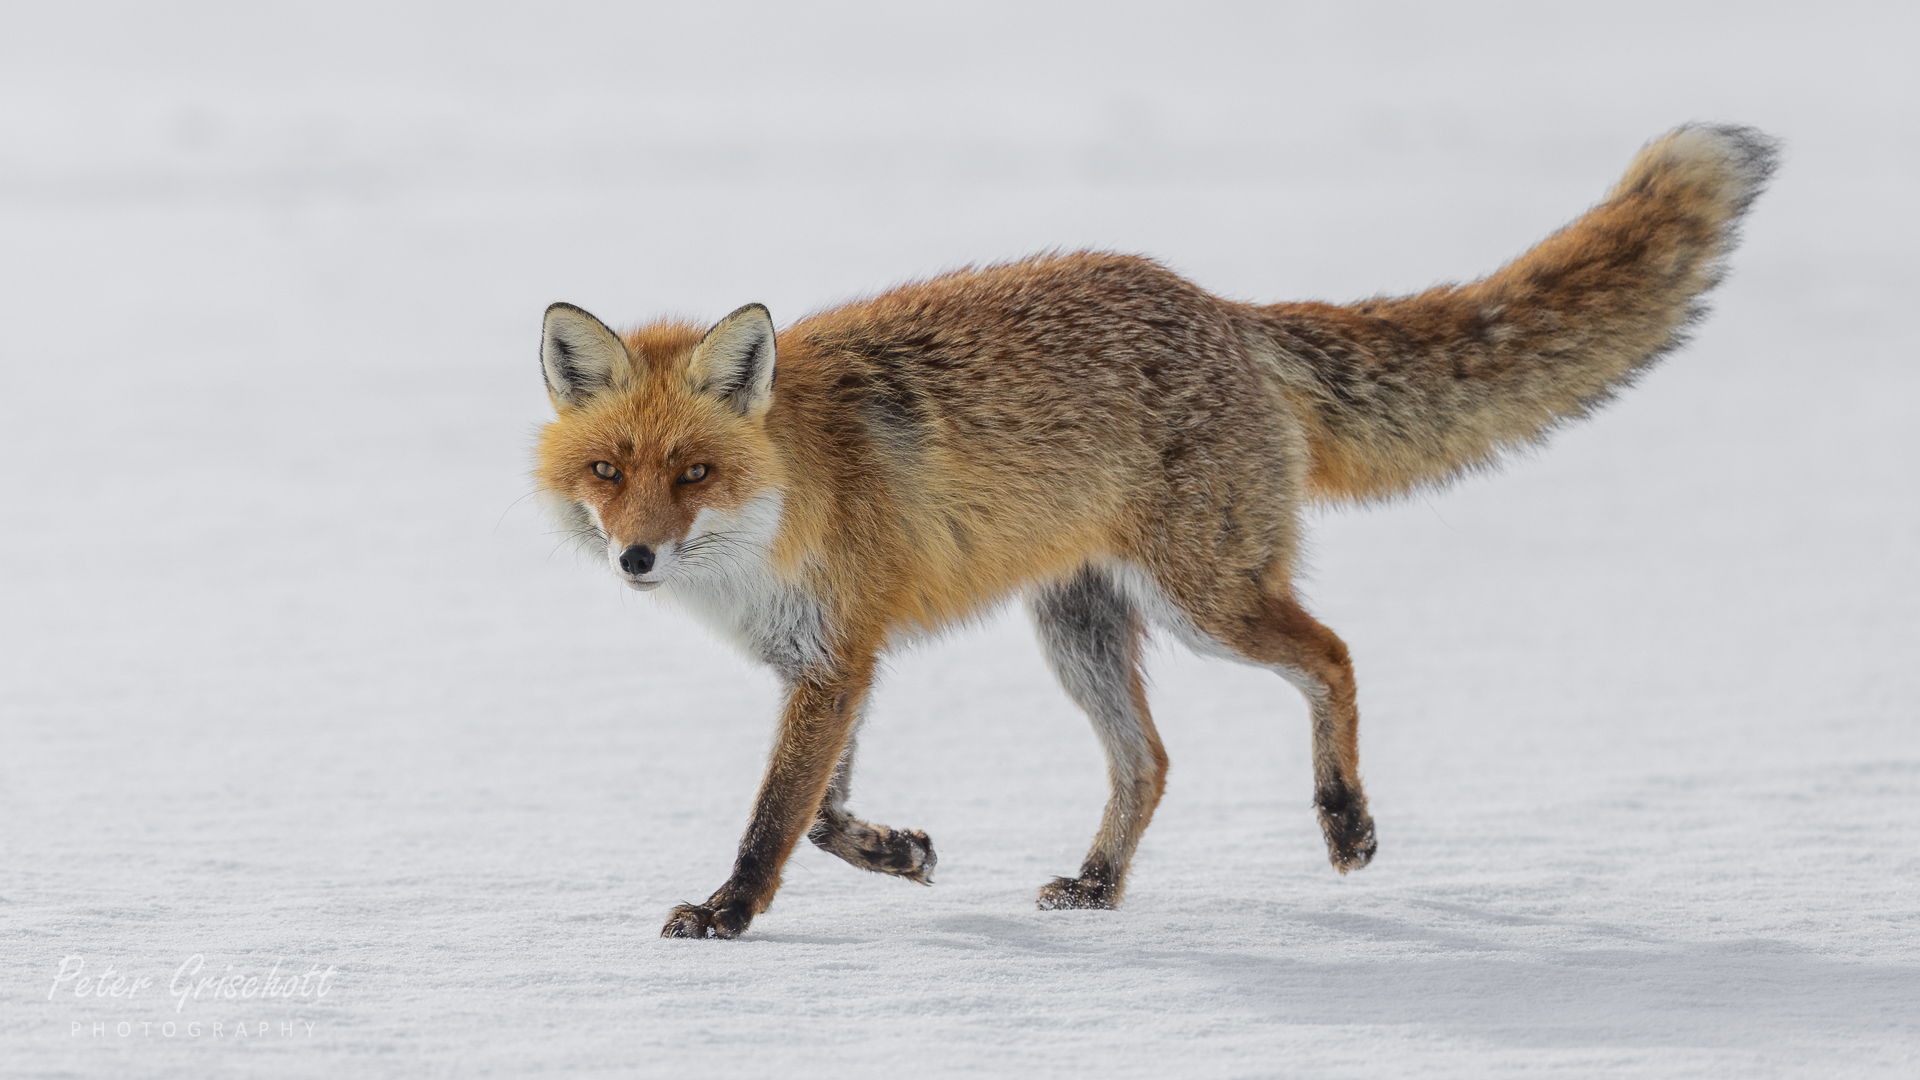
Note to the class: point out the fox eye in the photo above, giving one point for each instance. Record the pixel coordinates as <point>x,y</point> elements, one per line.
<point>694,474</point>
<point>605,470</point>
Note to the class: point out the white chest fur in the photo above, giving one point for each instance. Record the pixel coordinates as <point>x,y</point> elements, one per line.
<point>723,575</point>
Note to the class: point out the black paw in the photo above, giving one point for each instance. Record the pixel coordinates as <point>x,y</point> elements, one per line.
<point>906,853</point>
<point>1347,826</point>
<point>1063,893</point>
<point>701,921</point>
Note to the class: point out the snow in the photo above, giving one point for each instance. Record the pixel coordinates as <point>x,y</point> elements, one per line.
<point>291,672</point>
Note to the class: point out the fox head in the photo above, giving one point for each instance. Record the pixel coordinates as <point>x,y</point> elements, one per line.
<point>659,458</point>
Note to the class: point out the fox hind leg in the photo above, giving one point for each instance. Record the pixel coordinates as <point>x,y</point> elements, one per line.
<point>905,853</point>
<point>1274,631</point>
<point>1091,633</point>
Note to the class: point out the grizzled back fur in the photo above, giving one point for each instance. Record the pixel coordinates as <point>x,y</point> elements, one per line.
<point>1103,437</point>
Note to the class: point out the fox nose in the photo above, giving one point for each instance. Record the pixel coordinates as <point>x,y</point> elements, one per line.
<point>637,559</point>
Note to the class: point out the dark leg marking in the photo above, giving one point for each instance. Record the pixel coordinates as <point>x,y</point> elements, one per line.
<point>811,743</point>
<point>1346,824</point>
<point>1275,631</point>
<point>905,853</point>
<point>1096,887</point>
<point>706,921</point>
<point>1091,634</point>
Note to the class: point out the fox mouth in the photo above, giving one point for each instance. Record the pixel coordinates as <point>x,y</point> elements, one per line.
<point>642,586</point>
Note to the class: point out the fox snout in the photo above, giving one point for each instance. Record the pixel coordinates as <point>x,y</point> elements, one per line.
<point>637,562</point>
<point>637,559</point>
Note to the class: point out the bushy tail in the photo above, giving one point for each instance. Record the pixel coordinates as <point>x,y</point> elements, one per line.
<point>1402,393</point>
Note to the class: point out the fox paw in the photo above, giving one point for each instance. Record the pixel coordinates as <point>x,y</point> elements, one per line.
<point>1063,893</point>
<point>1348,828</point>
<point>702,921</point>
<point>905,853</point>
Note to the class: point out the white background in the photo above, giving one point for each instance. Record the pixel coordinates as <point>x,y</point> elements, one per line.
<point>288,674</point>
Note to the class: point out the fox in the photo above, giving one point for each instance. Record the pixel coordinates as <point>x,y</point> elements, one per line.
<point>1105,439</point>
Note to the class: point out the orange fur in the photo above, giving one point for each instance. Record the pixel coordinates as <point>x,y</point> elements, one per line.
<point>1100,435</point>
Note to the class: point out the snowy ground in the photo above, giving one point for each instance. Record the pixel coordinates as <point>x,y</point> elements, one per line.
<point>287,674</point>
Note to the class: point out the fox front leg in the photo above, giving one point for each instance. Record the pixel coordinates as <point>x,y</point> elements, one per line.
<point>902,853</point>
<point>813,734</point>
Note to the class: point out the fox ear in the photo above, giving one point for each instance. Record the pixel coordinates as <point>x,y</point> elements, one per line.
<point>734,362</point>
<point>580,356</point>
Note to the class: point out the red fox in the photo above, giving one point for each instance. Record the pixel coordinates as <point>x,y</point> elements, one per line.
<point>1106,439</point>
